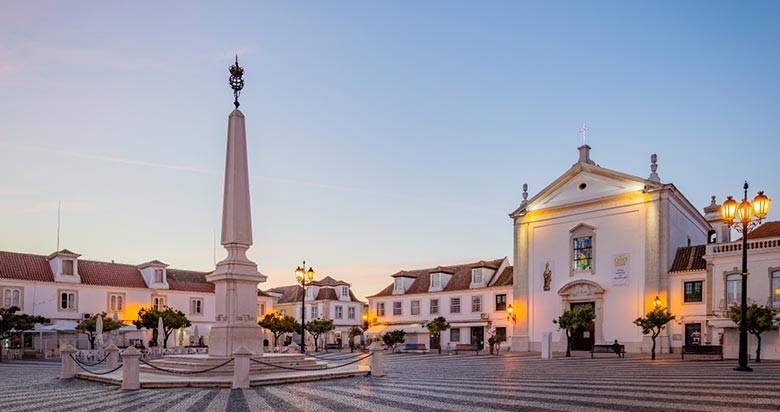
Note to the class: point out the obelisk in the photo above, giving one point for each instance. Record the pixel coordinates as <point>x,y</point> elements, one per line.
<point>235,278</point>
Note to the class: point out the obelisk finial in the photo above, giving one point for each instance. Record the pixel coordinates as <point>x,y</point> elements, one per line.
<point>236,81</point>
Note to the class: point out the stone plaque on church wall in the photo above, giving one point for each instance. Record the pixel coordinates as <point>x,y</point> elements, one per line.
<point>620,265</point>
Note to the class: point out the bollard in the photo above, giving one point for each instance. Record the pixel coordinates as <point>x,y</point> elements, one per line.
<point>546,345</point>
<point>68,367</point>
<point>376,360</point>
<point>131,375</point>
<point>241,368</point>
<point>113,356</point>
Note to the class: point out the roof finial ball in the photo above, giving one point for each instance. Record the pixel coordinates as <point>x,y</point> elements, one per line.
<point>525,192</point>
<point>653,168</point>
<point>236,81</point>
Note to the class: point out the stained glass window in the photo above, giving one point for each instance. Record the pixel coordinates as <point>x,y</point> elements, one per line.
<point>582,253</point>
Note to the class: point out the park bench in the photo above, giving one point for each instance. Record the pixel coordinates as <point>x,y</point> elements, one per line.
<point>466,347</point>
<point>702,350</point>
<point>414,347</point>
<point>608,349</point>
<point>332,346</point>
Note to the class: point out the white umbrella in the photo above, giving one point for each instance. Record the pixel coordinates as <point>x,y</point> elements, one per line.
<point>99,330</point>
<point>160,331</point>
<point>195,334</point>
<point>145,337</point>
<point>180,340</point>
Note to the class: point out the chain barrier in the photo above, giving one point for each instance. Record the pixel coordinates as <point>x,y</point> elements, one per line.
<point>349,355</point>
<point>311,369</point>
<point>93,364</point>
<point>78,363</point>
<point>175,372</point>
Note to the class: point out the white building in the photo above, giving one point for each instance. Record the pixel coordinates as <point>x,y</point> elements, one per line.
<point>472,297</point>
<point>601,238</point>
<point>65,290</point>
<point>327,298</point>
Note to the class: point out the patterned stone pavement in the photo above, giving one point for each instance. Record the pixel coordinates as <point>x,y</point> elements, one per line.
<point>431,382</point>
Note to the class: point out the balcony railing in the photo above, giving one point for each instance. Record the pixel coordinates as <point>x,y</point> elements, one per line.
<point>716,248</point>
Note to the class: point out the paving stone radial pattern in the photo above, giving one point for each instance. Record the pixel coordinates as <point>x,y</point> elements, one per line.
<point>433,383</point>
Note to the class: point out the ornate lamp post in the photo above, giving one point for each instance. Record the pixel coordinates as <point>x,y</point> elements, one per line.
<point>745,212</point>
<point>305,277</point>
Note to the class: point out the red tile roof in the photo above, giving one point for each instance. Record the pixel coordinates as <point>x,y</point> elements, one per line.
<point>768,229</point>
<point>329,281</point>
<point>289,294</point>
<point>189,280</point>
<point>689,258</point>
<point>460,280</point>
<point>505,278</point>
<point>110,274</point>
<point>23,266</point>
<point>327,294</point>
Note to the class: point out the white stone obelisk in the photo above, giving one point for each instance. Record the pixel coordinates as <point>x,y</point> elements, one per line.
<point>236,277</point>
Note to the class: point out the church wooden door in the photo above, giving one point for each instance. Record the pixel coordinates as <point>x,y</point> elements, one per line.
<point>583,339</point>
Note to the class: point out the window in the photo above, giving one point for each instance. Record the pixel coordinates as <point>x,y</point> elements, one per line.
<point>692,291</point>
<point>476,303</point>
<point>500,302</point>
<point>501,332</point>
<point>309,292</point>
<point>339,312</point>
<point>776,289</point>
<point>314,312</point>
<point>116,302</point>
<point>399,284</point>
<point>434,306</point>
<point>582,253</point>
<point>455,335</point>
<point>415,307</point>
<point>262,309</point>
<point>158,276</point>
<point>67,300</point>
<point>345,291</point>
<point>67,267</point>
<point>733,289</point>
<point>380,309</point>
<point>435,280</point>
<point>12,297</point>
<point>476,275</point>
<point>397,308</point>
<point>351,312</point>
<point>196,306</point>
<point>159,302</point>
<point>454,305</point>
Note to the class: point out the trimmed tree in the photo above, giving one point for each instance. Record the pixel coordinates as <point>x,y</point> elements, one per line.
<point>436,327</point>
<point>394,337</point>
<point>89,327</point>
<point>12,323</point>
<point>354,332</point>
<point>317,327</point>
<point>172,319</point>
<point>495,342</point>
<point>573,320</point>
<point>759,320</point>
<point>654,322</point>
<point>279,325</point>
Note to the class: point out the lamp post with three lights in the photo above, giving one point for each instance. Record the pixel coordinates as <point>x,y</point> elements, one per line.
<point>305,278</point>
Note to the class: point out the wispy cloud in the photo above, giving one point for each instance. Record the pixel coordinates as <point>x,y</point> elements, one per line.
<point>14,191</point>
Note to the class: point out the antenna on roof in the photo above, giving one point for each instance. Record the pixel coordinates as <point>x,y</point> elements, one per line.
<point>59,207</point>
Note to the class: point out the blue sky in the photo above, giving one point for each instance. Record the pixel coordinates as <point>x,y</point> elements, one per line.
<point>382,136</point>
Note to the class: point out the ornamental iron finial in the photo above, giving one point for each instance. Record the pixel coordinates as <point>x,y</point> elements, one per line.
<point>236,81</point>
<point>653,169</point>
<point>525,192</point>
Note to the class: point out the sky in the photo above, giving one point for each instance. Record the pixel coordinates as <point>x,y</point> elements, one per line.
<point>382,135</point>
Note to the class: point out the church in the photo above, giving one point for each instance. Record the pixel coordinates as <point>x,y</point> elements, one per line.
<point>610,240</point>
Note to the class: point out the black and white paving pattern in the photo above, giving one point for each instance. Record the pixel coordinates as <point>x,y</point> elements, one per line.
<point>429,382</point>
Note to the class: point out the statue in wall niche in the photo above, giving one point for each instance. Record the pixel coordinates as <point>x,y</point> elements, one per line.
<point>547,276</point>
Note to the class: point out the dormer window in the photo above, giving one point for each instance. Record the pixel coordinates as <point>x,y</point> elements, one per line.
<point>345,291</point>
<point>309,292</point>
<point>476,276</point>
<point>399,284</point>
<point>158,275</point>
<point>435,280</point>
<point>67,267</point>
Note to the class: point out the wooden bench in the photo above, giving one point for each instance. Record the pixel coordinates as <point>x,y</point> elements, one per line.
<point>332,346</point>
<point>608,348</point>
<point>466,347</point>
<point>702,350</point>
<point>414,347</point>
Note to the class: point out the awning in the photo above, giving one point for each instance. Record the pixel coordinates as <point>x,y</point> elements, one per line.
<point>409,328</point>
<point>722,323</point>
<point>375,330</point>
<point>58,327</point>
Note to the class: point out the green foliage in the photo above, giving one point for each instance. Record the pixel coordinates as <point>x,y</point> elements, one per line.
<point>317,327</point>
<point>354,332</point>
<point>172,319</point>
<point>759,320</point>
<point>654,322</point>
<point>279,325</point>
<point>12,323</point>
<point>394,337</point>
<point>89,326</point>
<point>436,327</point>
<point>572,320</point>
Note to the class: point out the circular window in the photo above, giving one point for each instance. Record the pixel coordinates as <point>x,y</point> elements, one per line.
<point>583,186</point>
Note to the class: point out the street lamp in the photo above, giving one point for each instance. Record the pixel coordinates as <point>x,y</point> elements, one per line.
<point>305,277</point>
<point>745,212</point>
<point>657,302</point>
<point>365,321</point>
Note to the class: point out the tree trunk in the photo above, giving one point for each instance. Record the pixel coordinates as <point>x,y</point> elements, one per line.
<point>652,351</point>
<point>91,338</point>
<point>758,348</point>
<point>316,338</point>
<point>568,344</point>
<point>1,350</point>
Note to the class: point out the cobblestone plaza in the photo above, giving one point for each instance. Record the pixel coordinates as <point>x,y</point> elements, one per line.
<point>433,382</point>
